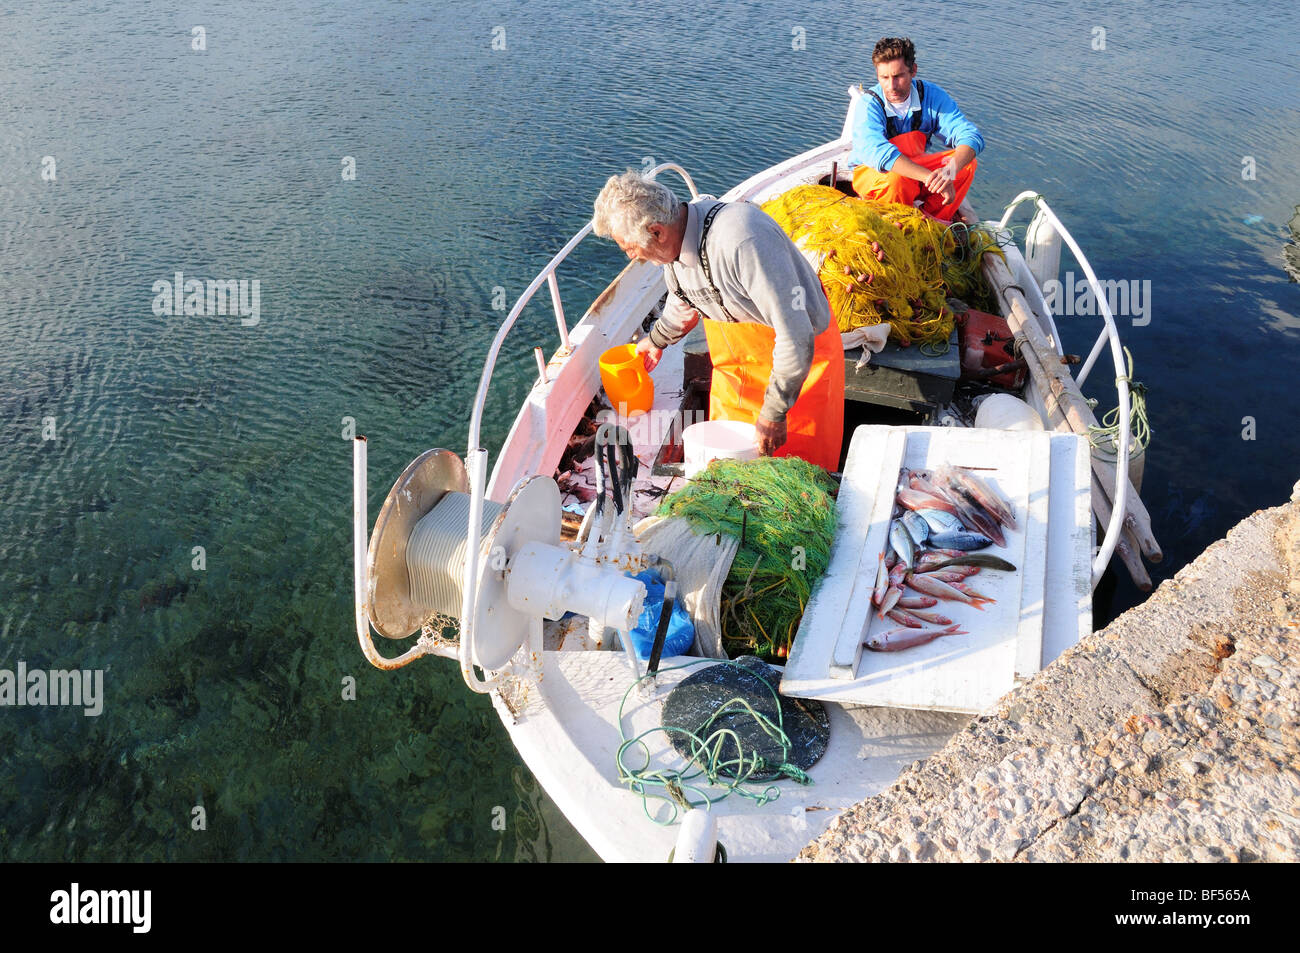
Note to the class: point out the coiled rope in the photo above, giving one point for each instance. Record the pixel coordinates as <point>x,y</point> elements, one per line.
<point>707,763</point>
<point>1105,437</point>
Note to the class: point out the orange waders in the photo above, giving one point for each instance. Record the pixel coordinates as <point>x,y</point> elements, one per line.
<point>742,365</point>
<point>896,187</point>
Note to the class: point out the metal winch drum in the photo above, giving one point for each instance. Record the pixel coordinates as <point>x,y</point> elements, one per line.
<point>417,556</point>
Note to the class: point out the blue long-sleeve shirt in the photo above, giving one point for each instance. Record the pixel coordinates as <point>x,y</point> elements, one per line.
<point>939,116</point>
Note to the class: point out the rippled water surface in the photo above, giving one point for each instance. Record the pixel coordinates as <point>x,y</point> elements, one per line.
<point>127,156</point>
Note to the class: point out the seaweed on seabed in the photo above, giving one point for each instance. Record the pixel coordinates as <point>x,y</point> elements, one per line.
<point>782,513</point>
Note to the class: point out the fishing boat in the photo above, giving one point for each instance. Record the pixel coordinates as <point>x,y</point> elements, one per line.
<point>526,584</point>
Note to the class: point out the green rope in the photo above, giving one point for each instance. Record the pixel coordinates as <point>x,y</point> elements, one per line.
<point>1105,438</point>
<point>963,275</point>
<point>1036,199</point>
<point>706,765</point>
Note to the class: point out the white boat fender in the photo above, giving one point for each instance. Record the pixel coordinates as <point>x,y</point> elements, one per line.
<point>1005,412</point>
<point>697,841</point>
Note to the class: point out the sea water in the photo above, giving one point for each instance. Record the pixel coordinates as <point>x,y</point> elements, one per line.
<point>389,176</point>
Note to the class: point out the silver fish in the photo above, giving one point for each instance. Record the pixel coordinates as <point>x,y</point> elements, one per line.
<point>917,528</point>
<point>940,521</point>
<point>960,539</point>
<point>901,540</point>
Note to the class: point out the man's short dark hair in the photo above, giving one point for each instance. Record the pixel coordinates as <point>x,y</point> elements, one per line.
<point>893,48</point>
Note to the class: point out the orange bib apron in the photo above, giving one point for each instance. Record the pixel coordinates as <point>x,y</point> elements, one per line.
<point>896,187</point>
<point>742,366</point>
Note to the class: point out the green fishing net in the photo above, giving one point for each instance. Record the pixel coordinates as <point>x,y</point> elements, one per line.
<point>963,272</point>
<point>781,512</point>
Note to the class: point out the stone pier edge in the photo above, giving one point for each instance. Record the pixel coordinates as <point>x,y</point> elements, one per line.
<point>1169,735</point>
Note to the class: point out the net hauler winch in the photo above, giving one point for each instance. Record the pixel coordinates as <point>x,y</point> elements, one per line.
<point>412,577</point>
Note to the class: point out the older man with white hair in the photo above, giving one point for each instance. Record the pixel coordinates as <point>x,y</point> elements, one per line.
<point>777,358</point>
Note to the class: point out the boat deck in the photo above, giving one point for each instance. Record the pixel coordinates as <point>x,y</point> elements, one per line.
<point>566,729</point>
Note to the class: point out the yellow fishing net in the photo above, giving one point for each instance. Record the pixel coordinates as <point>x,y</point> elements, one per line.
<point>883,261</point>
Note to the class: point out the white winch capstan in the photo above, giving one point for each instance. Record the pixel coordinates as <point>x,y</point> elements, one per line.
<point>517,575</point>
<point>414,567</point>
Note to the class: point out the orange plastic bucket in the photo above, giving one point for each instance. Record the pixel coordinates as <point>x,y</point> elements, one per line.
<point>627,383</point>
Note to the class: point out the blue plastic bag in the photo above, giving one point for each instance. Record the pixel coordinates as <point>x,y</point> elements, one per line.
<point>681,631</point>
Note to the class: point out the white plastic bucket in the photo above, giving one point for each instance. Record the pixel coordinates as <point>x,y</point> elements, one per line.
<point>718,440</point>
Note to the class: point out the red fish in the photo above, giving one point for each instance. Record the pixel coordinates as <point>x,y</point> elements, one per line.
<point>985,495</point>
<point>955,571</point>
<point>916,500</point>
<point>882,582</point>
<point>941,590</point>
<point>934,618</point>
<point>895,590</point>
<point>972,592</point>
<point>895,640</point>
<point>905,618</point>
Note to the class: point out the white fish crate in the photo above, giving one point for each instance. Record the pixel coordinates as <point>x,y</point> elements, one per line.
<point>1040,609</point>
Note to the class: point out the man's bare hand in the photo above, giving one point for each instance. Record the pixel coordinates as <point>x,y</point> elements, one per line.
<point>650,354</point>
<point>771,435</point>
<point>941,182</point>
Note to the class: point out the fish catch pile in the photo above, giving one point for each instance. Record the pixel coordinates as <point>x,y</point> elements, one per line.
<point>943,519</point>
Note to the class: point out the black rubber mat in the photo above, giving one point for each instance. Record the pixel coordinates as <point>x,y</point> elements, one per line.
<point>699,696</point>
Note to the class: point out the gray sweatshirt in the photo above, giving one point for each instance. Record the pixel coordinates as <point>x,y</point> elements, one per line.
<point>763,278</point>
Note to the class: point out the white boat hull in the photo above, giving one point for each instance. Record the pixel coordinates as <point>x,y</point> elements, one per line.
<point>567,734</point>
<point>561,708</point>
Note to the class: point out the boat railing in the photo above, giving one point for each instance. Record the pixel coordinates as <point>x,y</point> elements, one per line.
<point>476,456</point>
<point>1109,335</point>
